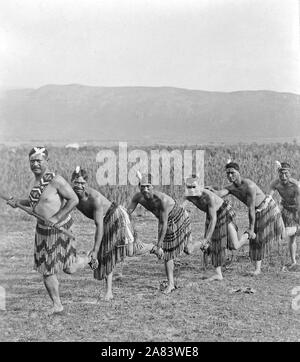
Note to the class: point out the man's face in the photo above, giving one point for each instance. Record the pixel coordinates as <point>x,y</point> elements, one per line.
<point>79,185</point>
<point>232,174</point>
<point>284,176</point>
<point>38,164</point>
<point>147,191</point>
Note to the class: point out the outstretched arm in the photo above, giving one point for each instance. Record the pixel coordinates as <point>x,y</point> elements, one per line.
<point>298,201</point>
<point>14,202</point>
<point>272,188</point>
<point>162,230</point>
<point>251,195</point>
<point>98,219</point>
<point>221,193</point>
<point>212,214</point>
<point>162,225</point>
<point>133,204</point>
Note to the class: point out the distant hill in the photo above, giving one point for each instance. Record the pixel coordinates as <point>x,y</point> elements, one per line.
<point>81,113</point>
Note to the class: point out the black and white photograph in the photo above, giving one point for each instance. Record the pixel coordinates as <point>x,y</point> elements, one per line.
<point>150,174</point>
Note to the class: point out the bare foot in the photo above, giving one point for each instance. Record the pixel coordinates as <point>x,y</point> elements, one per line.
<point>292,267</point>
<point>169,289</point>
<point>214,277</point>
<point>56,309</point>
<point>108,297</point>
<point>255,272</point>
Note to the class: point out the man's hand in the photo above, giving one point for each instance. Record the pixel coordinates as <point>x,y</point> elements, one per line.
<point>158,251</point>
<point>93,263</point>
<point>12,202</point>
<point>53,221</point>
<point>92,254</point>
<point>251,234</point>
<point>204,245</point>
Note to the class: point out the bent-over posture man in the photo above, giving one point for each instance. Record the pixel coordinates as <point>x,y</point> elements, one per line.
<point>174,226</point>
<point>52,198</point>
<point>265,223</point>
<point>289,190</point>
<point>114,236</point>
<point>220,227</point>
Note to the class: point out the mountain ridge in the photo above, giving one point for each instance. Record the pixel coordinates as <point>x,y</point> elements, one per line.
<point>79,112</point>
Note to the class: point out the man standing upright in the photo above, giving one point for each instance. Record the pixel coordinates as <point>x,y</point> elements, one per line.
<point>289,190</point>
<point>265,223</point>
<point>53,199</point>
<point>174,226</point>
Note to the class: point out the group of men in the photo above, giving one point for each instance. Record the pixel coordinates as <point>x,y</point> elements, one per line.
<point>53,199</point>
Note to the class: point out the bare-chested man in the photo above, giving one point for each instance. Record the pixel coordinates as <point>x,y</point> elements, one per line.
<point>289,190</point>
<point>265,223</point>
<point>174,226</point>
<point>220,227</point>
<point>52,198</point>
<point>114,236</point>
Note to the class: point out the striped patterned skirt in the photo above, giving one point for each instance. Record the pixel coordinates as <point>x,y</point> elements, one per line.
<point>220,240</point>
<point>117,235</point>
<point>53,250</point>
<point>289,215</point>
<point>178,233</point>
<point>269,228</point>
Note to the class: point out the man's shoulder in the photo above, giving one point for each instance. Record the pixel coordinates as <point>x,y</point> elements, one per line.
<point>58,180</point>
<point>137,196</point>
<point>249,182</point>
<point>275,183</point>
<point>294,182</point>
<point>211,197</point>
<point>229,187</point>
<point>163,196</point>
<point>97,197</point>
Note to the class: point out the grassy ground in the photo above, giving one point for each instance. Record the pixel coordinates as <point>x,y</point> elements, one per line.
<point>196,311</point>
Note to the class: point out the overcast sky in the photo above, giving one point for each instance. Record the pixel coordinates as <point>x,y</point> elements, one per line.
<point>216,45</point>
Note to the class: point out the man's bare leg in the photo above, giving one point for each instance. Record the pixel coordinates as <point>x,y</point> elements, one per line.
<point>237,243</point>
<point>291,232</point>
<point>257,270</point>
<point>108,280</point>
<point>293,249</point>
<point>169,267</point>
<point>119,274</point>
<point>52,286</point>
<point>217,276</point>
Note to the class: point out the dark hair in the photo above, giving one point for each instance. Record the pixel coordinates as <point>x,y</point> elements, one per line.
<point>34,149</point>
<point>148,177</point>
<point>81,173</point>
<point>284,165</point>
<point>233,165</point>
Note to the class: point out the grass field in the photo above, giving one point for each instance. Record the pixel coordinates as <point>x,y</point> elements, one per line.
<point>196,311</point>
